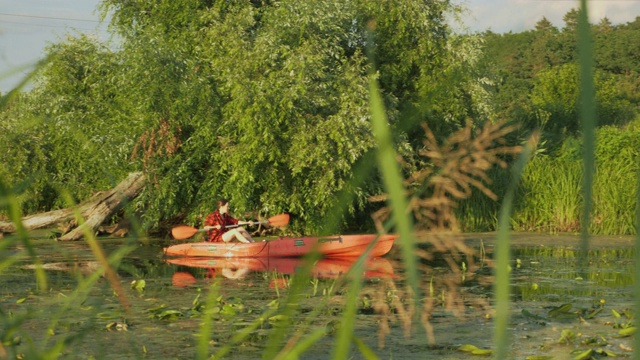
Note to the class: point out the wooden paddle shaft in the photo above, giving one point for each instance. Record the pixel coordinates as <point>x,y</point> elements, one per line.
<point>207,228</point>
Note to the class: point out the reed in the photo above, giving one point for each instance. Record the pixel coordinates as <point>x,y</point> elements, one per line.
<point>614,197</point>
<point>588,122</point>
<point>549,198</point>
<point>637,261</point>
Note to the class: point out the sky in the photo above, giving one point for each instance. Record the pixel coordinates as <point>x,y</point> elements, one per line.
<point>28,26</point>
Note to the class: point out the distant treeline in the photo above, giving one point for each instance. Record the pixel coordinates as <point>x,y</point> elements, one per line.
<point>533,78</point>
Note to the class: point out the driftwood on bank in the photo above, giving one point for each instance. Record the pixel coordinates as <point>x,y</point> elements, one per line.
<point>93,211</point>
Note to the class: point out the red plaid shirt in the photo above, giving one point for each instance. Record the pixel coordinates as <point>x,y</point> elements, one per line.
<point>215,218</point>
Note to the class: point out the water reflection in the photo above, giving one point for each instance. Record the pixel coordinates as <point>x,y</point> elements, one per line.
<point>452,282</point>
<point>239,268</point>
<point>553,273</point>
<point>538,273</point>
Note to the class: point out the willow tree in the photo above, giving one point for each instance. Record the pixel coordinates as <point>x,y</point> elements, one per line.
<point>266,103</point>
<point>69,131</point>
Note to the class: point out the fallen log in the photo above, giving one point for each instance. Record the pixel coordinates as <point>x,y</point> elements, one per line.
<point>50,218</point>
<point>94,211</point>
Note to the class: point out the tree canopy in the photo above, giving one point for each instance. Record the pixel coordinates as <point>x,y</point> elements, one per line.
<point>535,76</point>
<point>266,102</point>
<point>262,102</point>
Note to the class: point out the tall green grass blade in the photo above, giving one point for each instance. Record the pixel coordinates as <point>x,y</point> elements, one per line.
<point>391,176</point>
<point>588,120</point>
<point>8,199</point>
<point>32,69</point>
<point>636,340</point>
<point>98,253</point>
<point>361,173</point>
<point>355,271</point>
<point>503,255</point>
<point>240,336</point>
<point>75,300</point>
<point>291,306</point>
<point>202,351</point>
<point>393,182</point>
<point>345,332</point>
<point>366,351</point>
<point>304,345</point>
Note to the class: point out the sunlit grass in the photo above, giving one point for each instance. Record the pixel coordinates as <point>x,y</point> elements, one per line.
<point>636,343</point>
<point>503,257</point>
<point>587,114</point>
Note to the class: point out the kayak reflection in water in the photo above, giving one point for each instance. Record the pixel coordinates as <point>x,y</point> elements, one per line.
<point>229,273</point>
<point>186,279</point>
<point>220,219</point>
<point>239,268</point>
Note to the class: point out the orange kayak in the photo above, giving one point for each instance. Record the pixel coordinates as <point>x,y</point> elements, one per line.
<point>325,268</point>
<point>329,246</point>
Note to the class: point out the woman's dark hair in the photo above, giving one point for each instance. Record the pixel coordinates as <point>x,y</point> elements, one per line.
<point>222,202</point>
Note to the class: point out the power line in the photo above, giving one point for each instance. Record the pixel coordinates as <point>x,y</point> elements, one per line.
<point>44,25</point>
<point>47,17</point>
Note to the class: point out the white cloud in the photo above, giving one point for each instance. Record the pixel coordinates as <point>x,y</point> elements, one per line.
<point>521,15</point>
<point>618,12</point>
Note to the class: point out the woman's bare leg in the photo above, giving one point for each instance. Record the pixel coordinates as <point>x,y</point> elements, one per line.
<point>239,233</point>
<point>245,234</point>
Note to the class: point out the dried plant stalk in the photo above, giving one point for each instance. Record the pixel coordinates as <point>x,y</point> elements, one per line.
<point>455,169</point>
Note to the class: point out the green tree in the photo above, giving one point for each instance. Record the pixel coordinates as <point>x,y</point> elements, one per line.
<point>571,21</point>
<point>556,94</point>
<point>67,133</point>
<point>268,101</point>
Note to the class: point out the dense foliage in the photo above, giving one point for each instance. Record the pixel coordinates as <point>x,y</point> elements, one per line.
<point>262,102</point>
<point>266,103</point>
<point>535,84</point>
<point>535,77</point>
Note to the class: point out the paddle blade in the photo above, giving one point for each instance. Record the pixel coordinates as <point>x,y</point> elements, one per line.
<point>183,232</point>
<point>279,220</point>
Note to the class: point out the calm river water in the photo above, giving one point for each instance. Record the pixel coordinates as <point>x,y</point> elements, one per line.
<point>181,309</point>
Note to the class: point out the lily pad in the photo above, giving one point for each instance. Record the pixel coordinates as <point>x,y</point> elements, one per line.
<point>474,350</point>
<point>627,331</point>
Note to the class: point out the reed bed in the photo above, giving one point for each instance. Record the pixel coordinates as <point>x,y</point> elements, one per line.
<point>550,197</point>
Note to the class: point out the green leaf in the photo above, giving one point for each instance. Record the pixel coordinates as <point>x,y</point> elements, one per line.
<point>567,336</point>
<point>138,285</point>
<point>277,319</point>
<point>527,313</point>
<point>483,352</point>
<point>560,310</point>
<point>169,315</point>
<point>627,331</point>
<point>592,314</point>
<point>228,310</point>
<point>584,355</point>
<point>468,348</point>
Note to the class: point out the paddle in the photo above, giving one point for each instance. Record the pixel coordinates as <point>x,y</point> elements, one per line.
<point>182,232</point>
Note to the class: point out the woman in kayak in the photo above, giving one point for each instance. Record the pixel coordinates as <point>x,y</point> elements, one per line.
<point>218,222</point>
